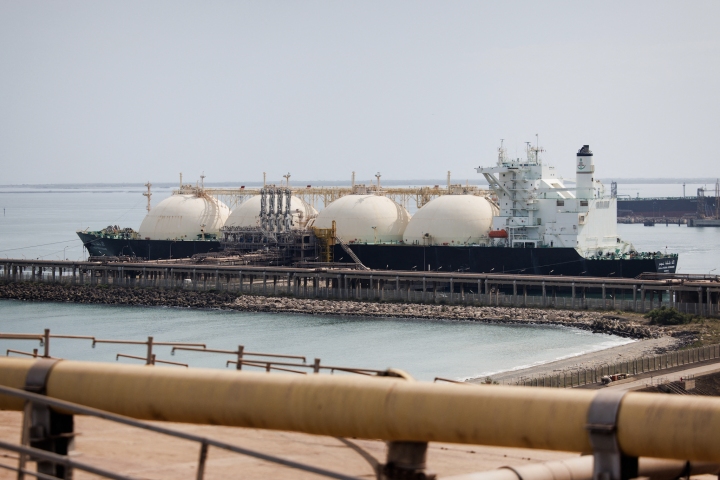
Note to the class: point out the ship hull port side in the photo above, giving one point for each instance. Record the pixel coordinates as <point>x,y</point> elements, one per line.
<point>99,246</point>
<point>521,261</point>
<point>443,258</point>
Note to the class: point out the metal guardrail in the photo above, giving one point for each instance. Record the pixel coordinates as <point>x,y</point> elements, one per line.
<point>634,366</point>
<point>154,360</point>
<point>395,410</point>
<point>150,359</point>
<point>69,462</point>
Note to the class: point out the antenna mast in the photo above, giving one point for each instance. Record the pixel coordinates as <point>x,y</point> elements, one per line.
<point>502,153</point>
<point>148,194</point>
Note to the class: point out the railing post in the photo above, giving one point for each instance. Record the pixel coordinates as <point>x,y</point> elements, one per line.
<point>149,360</point>
<point>642,298</point>
<point>452,289</point>
<point>202,460</point>
<point>45,429</point>
<point>406,460</point>
<point>239,357</point>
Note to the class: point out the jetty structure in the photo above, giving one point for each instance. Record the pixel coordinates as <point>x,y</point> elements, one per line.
<point>702,210</point>
<point>696,294</point>
<point>530,222</point>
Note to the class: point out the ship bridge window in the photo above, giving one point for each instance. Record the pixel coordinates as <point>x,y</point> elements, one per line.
<point>583,203</point>
<point>561,203</point>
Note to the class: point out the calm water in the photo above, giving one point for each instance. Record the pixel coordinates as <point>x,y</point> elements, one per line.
<point>42,224</point>
<point>426,349</point>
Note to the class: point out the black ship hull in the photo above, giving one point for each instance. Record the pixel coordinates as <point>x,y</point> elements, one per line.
<point>523,261</point>
<point>444,258</point>
<point>149,249</point>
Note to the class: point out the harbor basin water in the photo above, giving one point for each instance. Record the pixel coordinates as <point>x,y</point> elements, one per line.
<point>424,348</point>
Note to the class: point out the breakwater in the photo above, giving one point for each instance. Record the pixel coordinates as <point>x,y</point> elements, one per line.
<point>596,322</point>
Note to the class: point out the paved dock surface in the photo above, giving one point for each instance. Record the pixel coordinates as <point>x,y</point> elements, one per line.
<point>661,375</point>
<point>150,455</point>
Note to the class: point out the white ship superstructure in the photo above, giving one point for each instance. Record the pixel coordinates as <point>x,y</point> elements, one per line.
<point>537,209</point>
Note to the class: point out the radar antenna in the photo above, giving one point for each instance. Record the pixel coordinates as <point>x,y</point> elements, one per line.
<point>533,153</point>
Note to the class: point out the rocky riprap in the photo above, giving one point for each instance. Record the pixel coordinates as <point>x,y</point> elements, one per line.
<point>596,322</point>
<point>115,295</point>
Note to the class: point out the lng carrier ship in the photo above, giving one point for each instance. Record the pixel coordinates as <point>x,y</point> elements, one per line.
<point>534,223</point>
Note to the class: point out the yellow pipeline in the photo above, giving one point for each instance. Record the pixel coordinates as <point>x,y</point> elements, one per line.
<point>660,426</point>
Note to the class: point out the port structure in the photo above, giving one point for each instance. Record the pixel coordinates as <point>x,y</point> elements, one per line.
<point>696,294</point>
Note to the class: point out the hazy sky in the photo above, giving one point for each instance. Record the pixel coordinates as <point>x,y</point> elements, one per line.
<point>136,90</point>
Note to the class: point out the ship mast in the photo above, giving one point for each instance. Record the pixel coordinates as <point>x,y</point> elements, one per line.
<point>148,194</point>
<point>502,153</point>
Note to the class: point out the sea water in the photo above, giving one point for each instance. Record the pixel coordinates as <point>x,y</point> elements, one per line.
<point>424,348</point>
<point>41,223</point>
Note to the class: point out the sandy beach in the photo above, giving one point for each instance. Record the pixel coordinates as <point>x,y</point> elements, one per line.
<point>611,355</point>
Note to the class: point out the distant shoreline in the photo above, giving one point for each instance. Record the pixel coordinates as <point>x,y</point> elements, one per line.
<point>346,183</point>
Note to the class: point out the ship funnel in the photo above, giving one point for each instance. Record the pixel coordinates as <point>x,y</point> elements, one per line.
<point>585,173</point>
